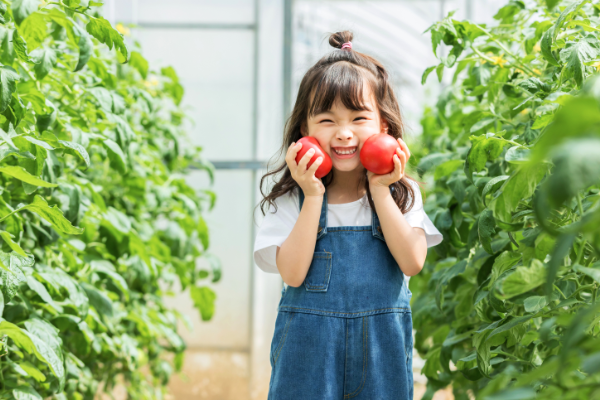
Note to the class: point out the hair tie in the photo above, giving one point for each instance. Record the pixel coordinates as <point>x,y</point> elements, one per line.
<point>347,45</point>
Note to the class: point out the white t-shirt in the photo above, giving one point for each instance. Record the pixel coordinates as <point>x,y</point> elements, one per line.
<point>276,227</point>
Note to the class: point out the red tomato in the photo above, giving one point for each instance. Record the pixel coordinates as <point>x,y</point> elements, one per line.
<point>309,142</point>
<point>377,154</point>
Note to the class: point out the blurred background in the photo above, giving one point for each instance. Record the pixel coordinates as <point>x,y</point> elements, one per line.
<point>240,62</point>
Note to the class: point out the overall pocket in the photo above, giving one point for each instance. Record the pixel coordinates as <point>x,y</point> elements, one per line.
<point>317,278</point>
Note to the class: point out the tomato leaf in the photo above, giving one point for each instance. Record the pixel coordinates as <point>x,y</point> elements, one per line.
<point>21,9</point>
<point>105,33</point>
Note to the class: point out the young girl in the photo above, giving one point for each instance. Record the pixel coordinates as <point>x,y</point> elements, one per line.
<point>343,244</point>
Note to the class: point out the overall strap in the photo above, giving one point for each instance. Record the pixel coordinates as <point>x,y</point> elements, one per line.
<point>322,218</point>
<point>376,226</point>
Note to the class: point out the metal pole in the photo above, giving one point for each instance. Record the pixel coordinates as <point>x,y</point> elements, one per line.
<point>253,191</point>
<point>288,6</point>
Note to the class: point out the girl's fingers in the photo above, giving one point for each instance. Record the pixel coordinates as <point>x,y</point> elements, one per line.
<point>313,168</point>
<point>403,160</point>
<point>291,152</point>
<point>404,148</point>
<point>302,165</point>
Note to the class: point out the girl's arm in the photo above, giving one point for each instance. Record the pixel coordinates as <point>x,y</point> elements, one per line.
<point>296,252</point>
<point>408,245</point>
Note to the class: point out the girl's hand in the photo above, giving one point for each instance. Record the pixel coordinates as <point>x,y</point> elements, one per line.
<point>309,183</point>
<point>400,159</point>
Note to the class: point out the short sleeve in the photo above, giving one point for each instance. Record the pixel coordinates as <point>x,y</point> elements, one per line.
<point>417,218</point>
<point>274,230</point>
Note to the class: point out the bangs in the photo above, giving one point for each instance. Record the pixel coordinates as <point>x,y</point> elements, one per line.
<point>341,80</point>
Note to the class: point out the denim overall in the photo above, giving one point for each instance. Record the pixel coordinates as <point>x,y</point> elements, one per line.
<point>346,332</point>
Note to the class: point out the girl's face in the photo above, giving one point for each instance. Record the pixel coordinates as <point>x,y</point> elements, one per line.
<point>342,132</point>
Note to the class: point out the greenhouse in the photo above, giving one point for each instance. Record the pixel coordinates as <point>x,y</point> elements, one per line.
<point>164,237</point>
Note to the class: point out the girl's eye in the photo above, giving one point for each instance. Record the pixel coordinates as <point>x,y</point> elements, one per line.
<point>326,120</point>
<point>359,118</point>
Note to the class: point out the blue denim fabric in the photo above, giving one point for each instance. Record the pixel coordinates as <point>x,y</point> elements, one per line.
<point>346,333</point>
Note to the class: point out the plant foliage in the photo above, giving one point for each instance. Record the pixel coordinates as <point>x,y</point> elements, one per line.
<point>506,307</point>
<point>95,210</point>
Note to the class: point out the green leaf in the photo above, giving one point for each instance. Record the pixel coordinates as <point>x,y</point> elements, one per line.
<point>576,167</point>
<point>26,393</point>
<point>138,62</point>
<point>483,149</point>
<point>106,268</point>
<point>561,249</point>
<point>86,48</point>
<point>21,174</point>
<point>32,371</point>
<point>32,344</point>
<point>519,186</point>
<point>535,303</point>
<point>8,79</point>
<point>503,263</point>
<point>7,237</point>
<point>492,185</point>
<point>53,215</point>
<point>116,156</point>
<point>426,74</point>
<point>486,229</point>
<point>482,124</point>
<point>514,394</point>
<point>11,273</point>
<point>204,300</point>
<point>104,32</point>
<point>576,55</point>
<point>543,121</point>
<point>591,272</point>
<point>447,168</point>
<point>41,290</point>
<point>546,47</point>
<point>21,9</point>
<point>98,300</point>
<point>551,3</point>
<point>76,148</point>
<point>203,232</point>
<point>523,279</point>
<point>45,337</point>
<point>33,30</point>
<point>44,60</point>
<point>517,155</point>
<point>439,70</point>
<point>117,220</point>
<point>20,47</point>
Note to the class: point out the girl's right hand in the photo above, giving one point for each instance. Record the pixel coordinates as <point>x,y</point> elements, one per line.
<point>309,183</point>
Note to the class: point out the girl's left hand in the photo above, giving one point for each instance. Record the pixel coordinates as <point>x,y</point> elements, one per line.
<point>400,159</point>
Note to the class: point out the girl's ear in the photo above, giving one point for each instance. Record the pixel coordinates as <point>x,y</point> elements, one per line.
<point>384,126</point>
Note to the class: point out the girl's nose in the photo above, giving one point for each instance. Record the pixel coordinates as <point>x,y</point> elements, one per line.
<point>344,134</point>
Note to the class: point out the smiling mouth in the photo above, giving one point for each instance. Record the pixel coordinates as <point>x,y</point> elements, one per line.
<point>345,151</point>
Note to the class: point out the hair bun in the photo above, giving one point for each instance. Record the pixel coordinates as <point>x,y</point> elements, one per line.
<point>339,38</point>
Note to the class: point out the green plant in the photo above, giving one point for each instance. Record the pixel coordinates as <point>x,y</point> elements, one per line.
<point>96,219</point>
<point>506,307</point>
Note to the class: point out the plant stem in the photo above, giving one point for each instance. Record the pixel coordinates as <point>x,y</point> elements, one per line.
<point>480,54</point>
<point>513,356</point>
<point>583,241</point>
<point>526,68</point>
<point>559,291</point>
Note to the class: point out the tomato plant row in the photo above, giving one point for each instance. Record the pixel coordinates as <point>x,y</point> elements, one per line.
<point>95,210</point>
<point>506,307</point>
